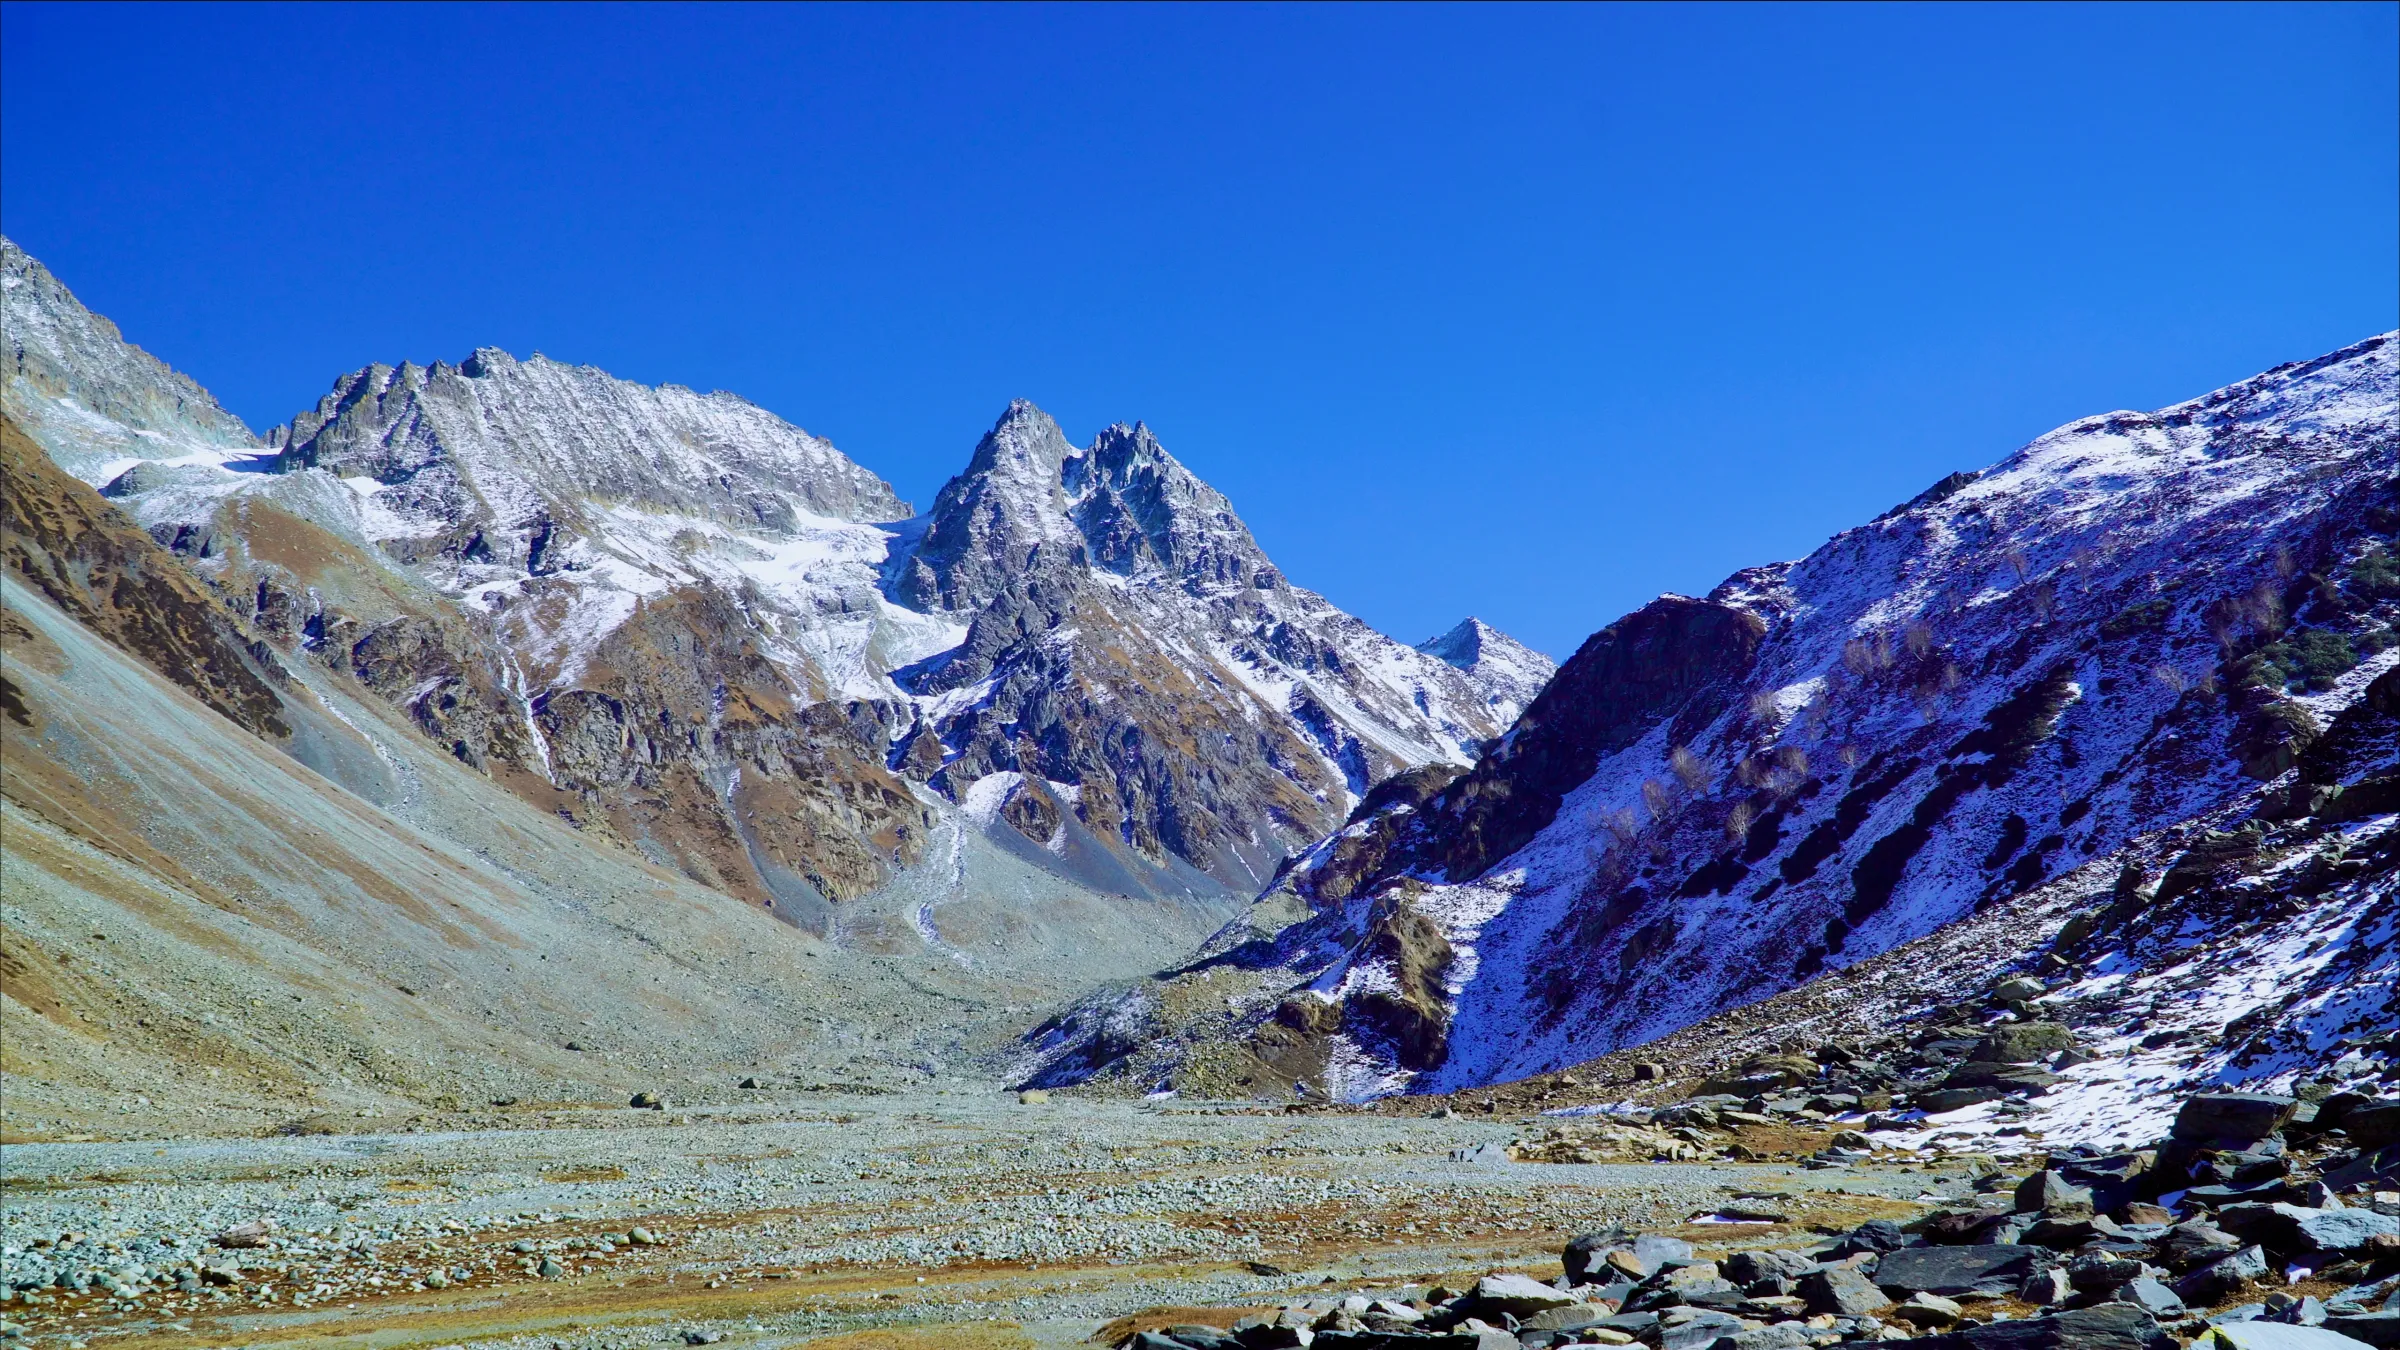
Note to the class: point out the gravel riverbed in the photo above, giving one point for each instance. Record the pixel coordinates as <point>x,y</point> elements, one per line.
<point>960,1218</point>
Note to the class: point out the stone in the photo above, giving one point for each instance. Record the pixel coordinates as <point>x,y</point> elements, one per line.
<point>2032,1079</point>
<point>549,1269</point>
<point>1654,1250</point>
<point>1565,1316</point>
<point>2018,990</point>
<point>2144,1212</point>
<point>1586,1256</point>
<point>255,1233</point>
<point>2068,1234</point>
<point>2105,1326</point>
<point>1649,1073</point>
<point>642,1237</point>
<point>1842,1290</point>
<point>2046,1288</point>
<point>2296,1230</point>
<point>2022,1043</point>
<point>2097,1271</point>
<point>1033,1097</point>
<point>2000,1269</point>
<point>2218,1280</point>
<point>2048,1193</point>
<point>1514,1295</point>
<point>1928,1312</point>
<point>1780,1336</point>
<point>2379,1168</point>
<point>2152,1295</point>
<point>751,1084</point>
<point>2261,1335</point>
<point>2231,1119</point>
<point>2378,1329</point>
<point>2304,1311</point>
<point>2195,1243</point>
<point>1955,1099</point>
<point>1699,1332</point>
<point>1748,1268</point>
<point>2373,1124</point>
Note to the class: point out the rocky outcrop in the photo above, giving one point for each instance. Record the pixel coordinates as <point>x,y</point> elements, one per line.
<point>96,402</point>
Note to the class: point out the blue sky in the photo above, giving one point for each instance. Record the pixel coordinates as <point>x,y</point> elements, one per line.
<point>1526,312</point>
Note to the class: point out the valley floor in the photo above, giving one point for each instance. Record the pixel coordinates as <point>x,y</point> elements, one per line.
<point>957,1219</point>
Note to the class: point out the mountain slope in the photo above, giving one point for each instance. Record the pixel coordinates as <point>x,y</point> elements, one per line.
<point>2137,621</point>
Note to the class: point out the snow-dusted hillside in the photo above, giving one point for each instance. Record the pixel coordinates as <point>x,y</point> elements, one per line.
<point>2135,621</point>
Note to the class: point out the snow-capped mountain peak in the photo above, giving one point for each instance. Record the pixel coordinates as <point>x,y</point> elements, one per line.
<point>1510,671</point>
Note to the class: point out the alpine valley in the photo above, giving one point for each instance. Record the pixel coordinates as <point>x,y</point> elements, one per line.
<point>501,753</point>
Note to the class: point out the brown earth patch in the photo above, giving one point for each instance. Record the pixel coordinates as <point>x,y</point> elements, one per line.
<point>1158,1319</point>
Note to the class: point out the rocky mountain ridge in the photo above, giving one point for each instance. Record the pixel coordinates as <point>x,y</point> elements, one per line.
<point>696,631</point>
<point>2126,638</point>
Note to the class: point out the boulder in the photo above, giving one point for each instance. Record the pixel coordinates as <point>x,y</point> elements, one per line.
<point>2220,1279</point>
<point>2048,1193</point>
<point>2097,1271</point>
<point>2046,1288</point>
<point>2001,1269</point>
<point>2194,1243</point>
<point>1875,1235</point>
<point>1514,1296</point>
<point>1566,1317</point>
<point>2231,1120</point>
<point>1699,1333</point>
<point>2069,1233</point>
<point>2023,1043</point>
<point>2295,1230</point>
<point>2152,1296</point>
<point>2304,1311</point>
<point>1843,1291</point>
<point>1748,1268</point>
<point>2273,1336</point>
<point>1654,1250</point>
<point>1928,1312</point>
<point>1936,1102</point>
<point>2377,1167</point>
<point>2030,1078</point>
<point>2115,1180</point>
<point>2105,1326</point>
<point>1586,1257</point>
<point>2379,1329</point>
<point>1780,1336</point>
<point>2373,1124</point>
